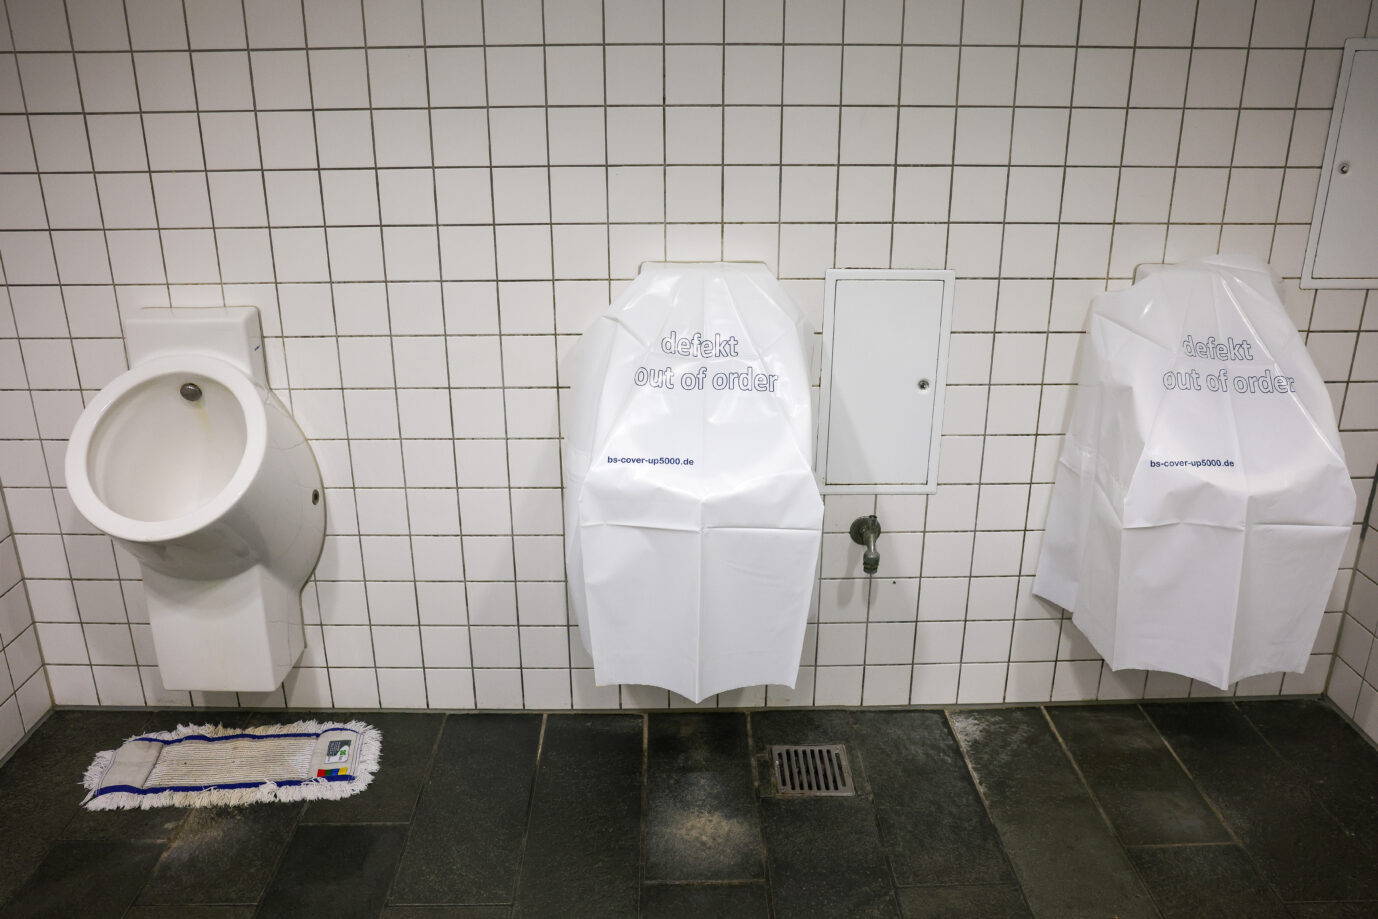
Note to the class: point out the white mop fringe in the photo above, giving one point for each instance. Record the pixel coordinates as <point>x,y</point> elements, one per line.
<point>319,789</point>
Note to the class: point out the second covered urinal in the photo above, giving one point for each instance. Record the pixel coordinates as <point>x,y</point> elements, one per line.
<point>1202,501</point>
<point>692,514</point>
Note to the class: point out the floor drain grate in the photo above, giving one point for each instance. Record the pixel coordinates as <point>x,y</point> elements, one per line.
<point>811,769</point>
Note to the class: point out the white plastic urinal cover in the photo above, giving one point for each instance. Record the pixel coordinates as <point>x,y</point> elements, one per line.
<point>692,515</point>
<point>1201,503</point>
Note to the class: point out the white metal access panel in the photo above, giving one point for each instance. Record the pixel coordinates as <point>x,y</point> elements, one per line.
<point>885,335</point>
<point>1342,248</point>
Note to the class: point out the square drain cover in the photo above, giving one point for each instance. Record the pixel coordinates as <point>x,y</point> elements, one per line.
<point>811,769</point>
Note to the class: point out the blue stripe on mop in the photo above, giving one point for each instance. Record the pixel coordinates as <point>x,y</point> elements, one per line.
<point>134,790</point>
<point>237,737</point>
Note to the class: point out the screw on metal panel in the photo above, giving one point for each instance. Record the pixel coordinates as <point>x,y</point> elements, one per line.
<point>315,496</point>
<point>190,391</point>
<point>1344,168</point>
<point>923,385</point>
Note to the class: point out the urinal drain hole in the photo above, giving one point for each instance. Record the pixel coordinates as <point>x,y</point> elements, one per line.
<point>315,496</point>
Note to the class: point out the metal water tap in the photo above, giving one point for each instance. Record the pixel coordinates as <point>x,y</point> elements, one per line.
<point>865,531</point>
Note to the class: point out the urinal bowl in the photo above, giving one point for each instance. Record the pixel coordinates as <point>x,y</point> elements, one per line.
<point>214,489</point>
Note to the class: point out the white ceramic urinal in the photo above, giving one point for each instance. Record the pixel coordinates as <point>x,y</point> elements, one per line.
<point>199,471</point>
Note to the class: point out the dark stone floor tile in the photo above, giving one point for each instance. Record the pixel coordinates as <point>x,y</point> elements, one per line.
<point>447,912</point>
<point>40,785</point>
<point>156,824</point>
<point>466,838</point>
<point>408,744</point>
<point>1341,766</point>
<point>826,858</point>
<point>222,855</point>
<point>58,752</point>
<point>171,719</point>
<point>1067,860</point>
<point>696,901</point>
<point>334,871</point>
<point>190,912</point>
<point>970,902</point>
<point>1302,850</point>
<point>802,726</point>
<point>583,847</point>
<point>1205,882</point>
<point>85,878</point>
<point>1367,910</point>
<point>701,822</point>
<point>1142,788</point>
<point>932,822</point>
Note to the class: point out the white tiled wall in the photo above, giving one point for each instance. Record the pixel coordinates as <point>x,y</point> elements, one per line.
<point>24,694</point>
<point>1354,677</point>
<point>429,200</point>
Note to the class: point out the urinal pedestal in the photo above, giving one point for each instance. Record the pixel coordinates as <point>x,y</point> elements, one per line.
<point>242,633</point>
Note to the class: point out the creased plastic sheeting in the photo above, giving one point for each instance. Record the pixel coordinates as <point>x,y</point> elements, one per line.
<point>1202,501</point>
<point>692,516</point>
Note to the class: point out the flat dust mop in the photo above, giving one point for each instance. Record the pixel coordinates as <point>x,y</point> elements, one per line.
<point>209,765</point>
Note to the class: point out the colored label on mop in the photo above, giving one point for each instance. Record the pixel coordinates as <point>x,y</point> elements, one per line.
<point>337,751</point>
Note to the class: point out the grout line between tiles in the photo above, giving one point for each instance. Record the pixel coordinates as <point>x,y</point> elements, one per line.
<point>392,351</point>
<point>334,317</point>
<point>1306,782</point>
<point>985,804</point>
<point>530,811</point>
<point>645,811</point>
<point>1248,854</point>
<point>758,808</point>
<point>1091,794</point>
<point>416,802</point>
<point>1197,785</point>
